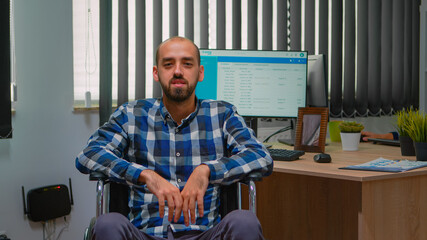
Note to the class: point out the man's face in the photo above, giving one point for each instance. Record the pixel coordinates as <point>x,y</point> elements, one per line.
<point>178,69</point>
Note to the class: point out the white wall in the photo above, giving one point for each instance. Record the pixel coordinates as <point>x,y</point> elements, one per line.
<point>47,135</point>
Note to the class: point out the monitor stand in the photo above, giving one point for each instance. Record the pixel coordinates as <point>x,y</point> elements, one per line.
<point>289,141</point>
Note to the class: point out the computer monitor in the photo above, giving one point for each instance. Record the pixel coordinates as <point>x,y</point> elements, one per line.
<point>317,89</point>
<point>258,83</point>
<point>317,84</point>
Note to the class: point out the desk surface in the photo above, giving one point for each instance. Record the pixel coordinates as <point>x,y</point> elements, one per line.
<point>367,152</point>
<point>306,200</point>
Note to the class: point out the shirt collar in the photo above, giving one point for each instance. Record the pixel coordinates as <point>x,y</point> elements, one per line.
<point>165,114</point>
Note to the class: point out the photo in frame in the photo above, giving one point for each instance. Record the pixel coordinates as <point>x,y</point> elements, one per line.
<point>311,129</point>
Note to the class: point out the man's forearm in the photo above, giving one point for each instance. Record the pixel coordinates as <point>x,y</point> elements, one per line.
<point>204,170</point>
<point>145,175</point>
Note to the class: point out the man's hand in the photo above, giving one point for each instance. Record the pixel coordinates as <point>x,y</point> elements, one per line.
<point>193,192</point>
<point>163,190</point>
<point>366,135</point>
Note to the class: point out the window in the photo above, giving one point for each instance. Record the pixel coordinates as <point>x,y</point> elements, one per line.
<point>86,38</point>
<point>361,79</point>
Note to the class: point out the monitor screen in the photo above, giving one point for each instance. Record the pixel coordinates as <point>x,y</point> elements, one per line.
<point>258,83</point>
<point>317,87</point>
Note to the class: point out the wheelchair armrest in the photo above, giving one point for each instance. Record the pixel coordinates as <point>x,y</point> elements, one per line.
<point>248,180</point>
<point>97,176</point>
<point>101,179</point>
<point>254,176</point>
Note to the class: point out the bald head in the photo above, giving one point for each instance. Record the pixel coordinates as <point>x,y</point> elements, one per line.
<point>178,39</point>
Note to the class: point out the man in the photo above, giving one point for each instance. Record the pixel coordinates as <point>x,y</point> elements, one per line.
<point>391,135</point>
<point>174,152</point>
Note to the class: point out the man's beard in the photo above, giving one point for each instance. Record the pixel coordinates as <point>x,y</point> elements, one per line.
<point>177,94</point>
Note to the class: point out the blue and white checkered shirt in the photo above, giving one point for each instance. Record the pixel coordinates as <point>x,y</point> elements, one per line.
<point>142,135</point>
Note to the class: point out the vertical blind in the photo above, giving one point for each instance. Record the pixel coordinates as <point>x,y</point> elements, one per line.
<point>371,46</point>
<point>258,13</point>
<point>105,60</point>
<point>372,49</point>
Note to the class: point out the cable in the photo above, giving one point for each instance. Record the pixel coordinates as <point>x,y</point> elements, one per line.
<point>89,40</point>
<point>65,228</point>
<point>277,132</point>
<point>49,229</point>
<point>44,223</point>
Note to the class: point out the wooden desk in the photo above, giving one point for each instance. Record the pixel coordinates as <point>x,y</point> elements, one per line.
<point>307,200</point>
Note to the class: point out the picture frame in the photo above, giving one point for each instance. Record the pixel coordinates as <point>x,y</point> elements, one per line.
<point>311,129</point>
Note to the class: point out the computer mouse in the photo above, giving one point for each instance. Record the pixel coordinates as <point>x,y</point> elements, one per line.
<point>322,158</point>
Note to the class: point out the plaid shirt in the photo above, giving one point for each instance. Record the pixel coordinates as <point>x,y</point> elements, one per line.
<point>142,135</point>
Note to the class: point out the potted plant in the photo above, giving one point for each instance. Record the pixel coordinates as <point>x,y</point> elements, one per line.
<point>406,143</point>
<point>350,135</point>
<point>416,128</point>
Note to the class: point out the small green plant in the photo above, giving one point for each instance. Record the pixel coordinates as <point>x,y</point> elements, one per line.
<point>403,118</point>
<point>416,127</point>
<point>351,127</point>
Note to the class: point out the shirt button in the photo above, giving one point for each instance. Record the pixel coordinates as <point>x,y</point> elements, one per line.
<point>179,180</point>
<point>177,130</point>
<point>178,154</point>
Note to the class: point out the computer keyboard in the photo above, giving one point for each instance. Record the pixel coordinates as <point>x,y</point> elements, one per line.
<point>284,154</point>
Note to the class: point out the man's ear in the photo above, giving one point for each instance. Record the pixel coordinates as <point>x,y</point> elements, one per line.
<point>201,73</point>
<point>155,73</point>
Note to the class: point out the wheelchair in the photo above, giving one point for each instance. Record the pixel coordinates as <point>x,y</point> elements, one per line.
<point>113,197</point>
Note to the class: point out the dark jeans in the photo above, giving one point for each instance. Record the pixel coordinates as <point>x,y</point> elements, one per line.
<point>239,224</point>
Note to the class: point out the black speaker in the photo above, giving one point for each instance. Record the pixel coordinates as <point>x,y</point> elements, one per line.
<point>48,202</point>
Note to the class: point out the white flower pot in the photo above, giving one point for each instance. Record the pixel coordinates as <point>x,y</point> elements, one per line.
<point>350,141</point>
